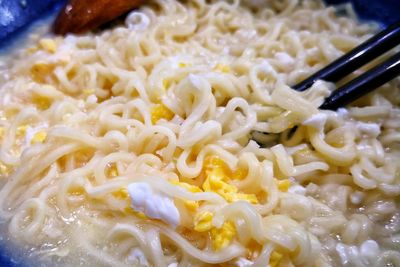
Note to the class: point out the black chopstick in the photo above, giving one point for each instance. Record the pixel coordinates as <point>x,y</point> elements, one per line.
<point>359,56</point>
<point>363,84</point>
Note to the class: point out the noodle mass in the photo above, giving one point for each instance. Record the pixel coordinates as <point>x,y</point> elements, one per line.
<point>175,139</point>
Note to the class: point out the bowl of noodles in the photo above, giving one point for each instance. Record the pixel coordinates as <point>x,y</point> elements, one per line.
<point>173,138</point>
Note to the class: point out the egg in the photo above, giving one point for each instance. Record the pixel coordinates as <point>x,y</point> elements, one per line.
<point>154,203</point>
<point>166,83</point>
<point>203,221</point>
<point>275,259</point>
<point>76,191</point>
<point>88,91</point>
<point>218,174</point>
<point>222,68</point>
<point>220,237</point>
<point>112,171</point>
<point>41,102</point>
<point>283,185</point>
<point>159,112</point>
<point>39,137</point>
<point>48,45</point>
<point>189,187</point>
<point>130,211</point>
<point>32,135</point>
<point>189,204</point>
<point>41,69</point>
<point>21,130</point>
<point>121,193</point>
<point>4,170</point>
<point>36,134</point>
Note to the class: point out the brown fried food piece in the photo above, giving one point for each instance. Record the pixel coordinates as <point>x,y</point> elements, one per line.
<point>79,16</point>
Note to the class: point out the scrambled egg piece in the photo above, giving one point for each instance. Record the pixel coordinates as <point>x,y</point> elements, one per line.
<point>123,194</point>
<point>21,130</point>
<point>189,187</point>
<point>41,69</point>
<point>222,68</point>
<point>88,91</point>
<point>41,102</point>
<point>275,259</point>
<point>2,131</point>
<point>160,111</point>
<point>4,169</point>
<point>48,45</point>
<point>76,191</point>
<point>39,137</point>
<point>220,237</point>
<point>139,214</point>
<point>218,175</point>
<point>112,170</point>
<point>238,175</point>
<point>202,221</point>
<point>283,185</point>
<point>166,83</point>
<point>190,204</point>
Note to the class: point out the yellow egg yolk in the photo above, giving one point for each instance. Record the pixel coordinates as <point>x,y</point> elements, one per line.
<point>48,45</point>
<point>220,237</point>
<point>218,175</point>
<point>159,112</point>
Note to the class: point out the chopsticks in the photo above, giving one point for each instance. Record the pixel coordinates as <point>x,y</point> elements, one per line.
<point>363,84</point>
<point>359,56</point>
